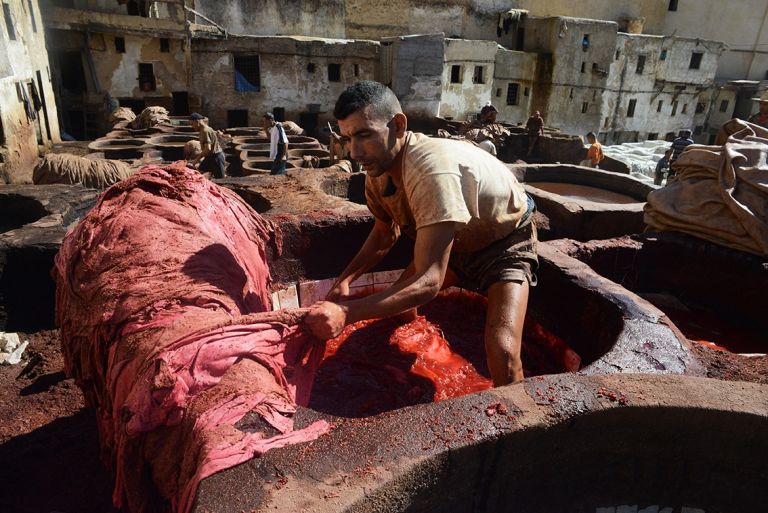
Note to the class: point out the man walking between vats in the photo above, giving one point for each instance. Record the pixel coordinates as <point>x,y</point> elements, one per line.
<point>469,216</point>
<point>211,157</point>
<point>678,146</point>
<point>534,128</point>
<point>661,167</point>
<point>594,153</point>
<point>278,143</point>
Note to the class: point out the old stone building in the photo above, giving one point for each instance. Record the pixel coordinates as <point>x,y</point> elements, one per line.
<point>235,59</point>
<point>137,54</point>
<point>238,79</point>
<point>27,111</point>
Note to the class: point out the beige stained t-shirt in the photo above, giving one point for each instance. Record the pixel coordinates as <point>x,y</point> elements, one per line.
<point>448,180</point>
<point>208,136</point>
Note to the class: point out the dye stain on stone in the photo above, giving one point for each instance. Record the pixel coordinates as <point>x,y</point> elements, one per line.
<point>380,365</point>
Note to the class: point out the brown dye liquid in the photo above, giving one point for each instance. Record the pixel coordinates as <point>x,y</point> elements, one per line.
<point>380,365</point>
<point>583,192</point>
<point>717,332</point>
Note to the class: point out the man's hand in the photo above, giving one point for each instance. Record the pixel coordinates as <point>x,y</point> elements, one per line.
<point>326,319</point>
<point>339,291</point>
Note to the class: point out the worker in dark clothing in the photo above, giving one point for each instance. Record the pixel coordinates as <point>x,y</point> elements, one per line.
<point>678,146</point>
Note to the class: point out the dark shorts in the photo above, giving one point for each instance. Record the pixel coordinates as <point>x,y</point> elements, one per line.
<point>278,167</point>
<point>512,258</point>
<point>213,164</point>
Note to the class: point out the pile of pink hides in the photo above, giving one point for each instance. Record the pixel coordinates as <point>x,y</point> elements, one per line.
<point>163,304</point>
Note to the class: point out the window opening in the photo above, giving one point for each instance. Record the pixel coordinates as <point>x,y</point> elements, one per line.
<point>631,108</point>
<point>247,73</point>
<point>695,60</point>
<point>455,74</point>
<point>334,72</point>
<point>120,44</point>
<point>9,21</point>
<point>165,45</point>
<point>477,77</point>
<point>513,91</point>
<point>640,64</point>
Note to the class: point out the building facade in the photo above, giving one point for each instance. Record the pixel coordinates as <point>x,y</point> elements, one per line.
<point>28,117</point>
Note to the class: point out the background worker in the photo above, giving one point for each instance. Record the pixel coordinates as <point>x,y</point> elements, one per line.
<point>278,143</point>
<point>534,127</point>
<point>594,153</point>
<point>661,167</point>
<point>468,214</point>
<point>678,146</point>
<point>761,116</point>
<point>211,157</point>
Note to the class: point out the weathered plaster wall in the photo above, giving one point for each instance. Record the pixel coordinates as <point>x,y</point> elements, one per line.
<point>465,98</point>
<point>118,72</point>
<point>286,79</point>
<point>317,18</point>
<point>417,67</point>
<point>22,58</point>
<point>652,11</point>
<point>456,18</point>
<point>742,25</point>
<point>514,68</point>
<point>570,98</point>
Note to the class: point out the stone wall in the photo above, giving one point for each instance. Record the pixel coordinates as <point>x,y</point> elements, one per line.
<point>295,75</point>
<point>416,76</point>
<point>475,63</point>
<point>24,62</point>
<point>514,68</point>
<point>318,18</point>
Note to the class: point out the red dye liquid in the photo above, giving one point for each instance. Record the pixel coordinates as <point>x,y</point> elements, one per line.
<point>717,332</point>
<point>384,364</point>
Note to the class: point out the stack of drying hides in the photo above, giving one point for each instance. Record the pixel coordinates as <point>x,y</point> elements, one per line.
<point>720,193</point>
<point>151,117</point>
<point>121,114</point>
<point>163,304</point>
<point>71,169</point>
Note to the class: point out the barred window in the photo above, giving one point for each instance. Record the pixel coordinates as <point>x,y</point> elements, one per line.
<point>513,92</point>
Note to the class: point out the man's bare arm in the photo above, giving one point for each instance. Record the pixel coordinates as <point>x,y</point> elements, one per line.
<point>430,263</point>
<point>380,240</point>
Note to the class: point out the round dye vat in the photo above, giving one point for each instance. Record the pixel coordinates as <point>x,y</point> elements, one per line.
<point>712,329</point>
<point>381,365</point>
<point>583,192</point>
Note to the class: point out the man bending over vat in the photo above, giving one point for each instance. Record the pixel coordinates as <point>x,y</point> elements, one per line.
<point>469,216</point>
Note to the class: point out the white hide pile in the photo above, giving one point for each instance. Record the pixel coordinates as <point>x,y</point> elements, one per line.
<point>641,157</point>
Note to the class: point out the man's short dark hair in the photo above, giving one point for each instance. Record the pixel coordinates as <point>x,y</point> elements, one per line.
<point>362,94</point>
<point>591,134</point>
<point>269,115</point>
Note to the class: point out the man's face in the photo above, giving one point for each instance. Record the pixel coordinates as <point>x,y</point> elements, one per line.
<point>267,123</point>
<point>764,108</point>
<point>372,142</point>
<point>195,124</point>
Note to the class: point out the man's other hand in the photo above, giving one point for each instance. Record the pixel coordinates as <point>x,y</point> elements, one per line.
<point>325,319</point>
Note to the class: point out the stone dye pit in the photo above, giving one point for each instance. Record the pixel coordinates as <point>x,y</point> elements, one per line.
<point>582,203</point>
<point>714,295</point>
<point>575,441</point>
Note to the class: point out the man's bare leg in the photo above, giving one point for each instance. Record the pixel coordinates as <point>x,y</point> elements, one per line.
<point>507,304</point>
